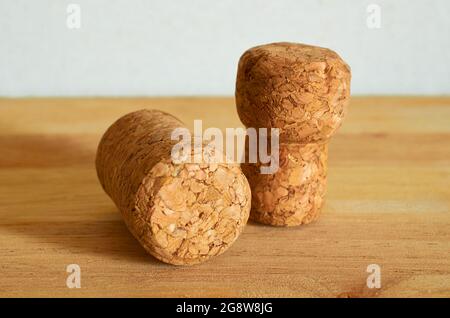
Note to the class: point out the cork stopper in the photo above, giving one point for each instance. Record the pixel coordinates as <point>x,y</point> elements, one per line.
<point>303,91</point>
<point>180,213</point>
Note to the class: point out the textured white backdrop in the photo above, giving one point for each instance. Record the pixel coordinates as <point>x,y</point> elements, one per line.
<point>161,47</point>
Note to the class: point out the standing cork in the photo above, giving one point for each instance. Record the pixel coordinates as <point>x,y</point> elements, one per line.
<point>303,91</point>
<point>180,213</point>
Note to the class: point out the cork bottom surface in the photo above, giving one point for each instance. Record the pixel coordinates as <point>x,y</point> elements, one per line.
<point>186,213</point>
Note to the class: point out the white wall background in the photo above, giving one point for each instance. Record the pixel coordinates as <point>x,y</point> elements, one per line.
<point>162,47</point>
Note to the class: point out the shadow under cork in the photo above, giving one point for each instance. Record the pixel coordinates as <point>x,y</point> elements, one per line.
<point>62,169</point>
<point>106,239</point>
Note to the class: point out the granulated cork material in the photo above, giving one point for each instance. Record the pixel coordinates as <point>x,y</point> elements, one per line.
<point>180,213</point>
<point>294,194</point>
<point>303,91</point>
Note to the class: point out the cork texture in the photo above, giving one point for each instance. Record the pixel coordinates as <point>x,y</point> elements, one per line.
<point>180,213</point>
<point>303,91</point>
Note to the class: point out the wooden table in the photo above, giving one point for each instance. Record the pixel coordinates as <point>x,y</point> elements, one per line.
<point>388,203</point>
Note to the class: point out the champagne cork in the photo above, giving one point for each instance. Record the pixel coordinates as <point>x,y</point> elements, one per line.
<point>181,213</point>
<point>303,91</point>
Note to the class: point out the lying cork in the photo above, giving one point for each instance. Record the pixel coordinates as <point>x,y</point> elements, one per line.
<point>303,91</point>
<point>180,213</point>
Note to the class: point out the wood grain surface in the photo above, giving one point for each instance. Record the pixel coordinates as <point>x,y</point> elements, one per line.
<point>388,203</point>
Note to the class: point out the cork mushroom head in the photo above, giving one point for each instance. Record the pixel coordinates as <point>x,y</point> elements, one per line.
<point>300,89</point>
